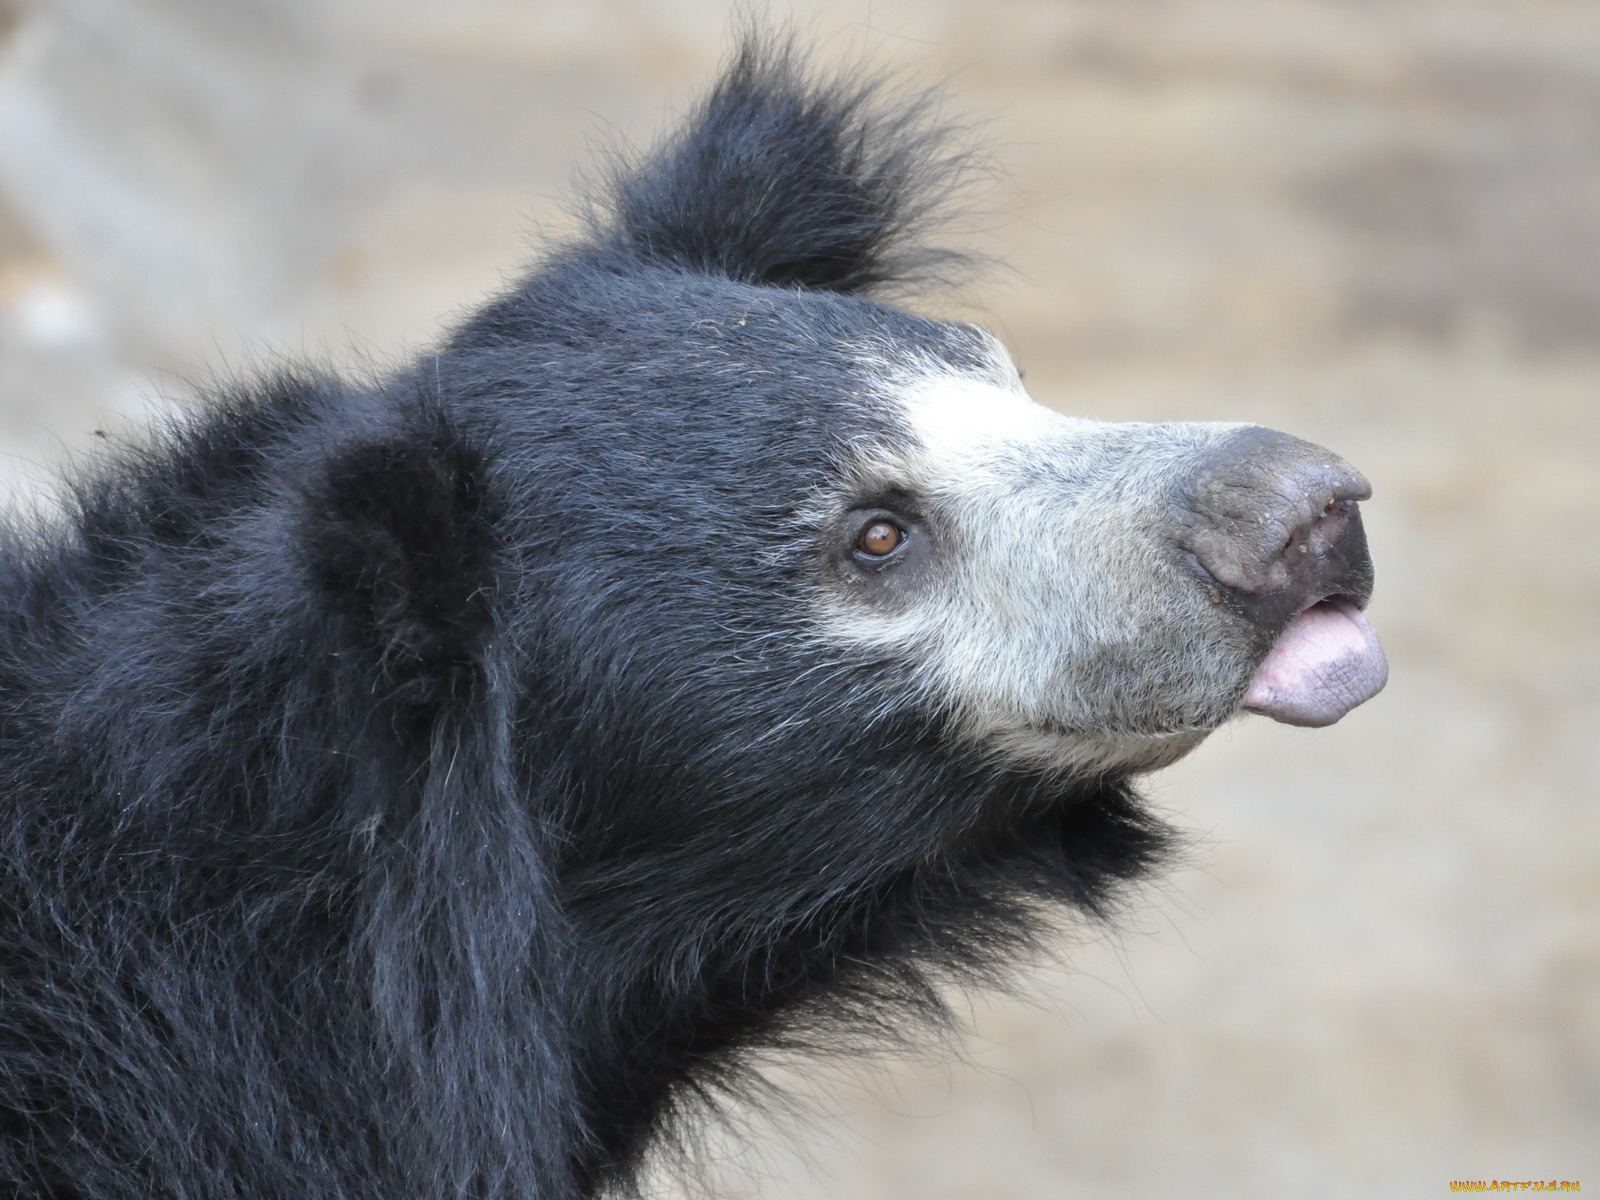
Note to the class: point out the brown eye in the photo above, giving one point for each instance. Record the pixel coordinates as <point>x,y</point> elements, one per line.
<point>880,539</point>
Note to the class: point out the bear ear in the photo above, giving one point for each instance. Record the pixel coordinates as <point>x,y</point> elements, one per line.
<point>400,541</point>
<point>779,178</point>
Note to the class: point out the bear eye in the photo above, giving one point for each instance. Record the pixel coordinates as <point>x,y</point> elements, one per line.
<point>880,539</point>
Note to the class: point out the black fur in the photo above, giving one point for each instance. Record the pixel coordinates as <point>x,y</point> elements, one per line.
<point>426,789</point>
<point>779,181</point>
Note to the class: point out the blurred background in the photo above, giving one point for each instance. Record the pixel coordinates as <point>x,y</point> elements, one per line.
<point>1372,223</point>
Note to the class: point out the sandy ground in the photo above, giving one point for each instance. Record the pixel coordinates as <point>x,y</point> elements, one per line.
<point>1373,223</point>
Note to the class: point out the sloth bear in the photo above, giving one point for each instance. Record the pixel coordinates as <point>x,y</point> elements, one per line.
<point>426,787</point>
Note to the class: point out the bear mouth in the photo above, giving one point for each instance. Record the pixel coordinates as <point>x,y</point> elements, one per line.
<point>1325,663</point>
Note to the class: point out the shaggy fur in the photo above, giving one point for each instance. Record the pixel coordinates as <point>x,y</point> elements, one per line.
<point>420,790</point>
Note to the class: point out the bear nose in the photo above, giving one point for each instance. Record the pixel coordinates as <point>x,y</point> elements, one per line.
<point>1273,520</point>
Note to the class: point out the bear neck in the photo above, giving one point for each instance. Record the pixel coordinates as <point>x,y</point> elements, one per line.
<point>677,986</point>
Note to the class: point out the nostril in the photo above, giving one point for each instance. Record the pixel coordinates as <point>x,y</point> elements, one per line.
<point>1300,538</point>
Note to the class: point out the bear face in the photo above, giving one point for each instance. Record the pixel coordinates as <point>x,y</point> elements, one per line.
<point>1041,601</point>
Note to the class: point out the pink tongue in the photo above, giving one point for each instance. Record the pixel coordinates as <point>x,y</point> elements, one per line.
<point>1326,662</point>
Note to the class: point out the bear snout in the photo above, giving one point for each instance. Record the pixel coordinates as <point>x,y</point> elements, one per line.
<point>1275,528</point>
